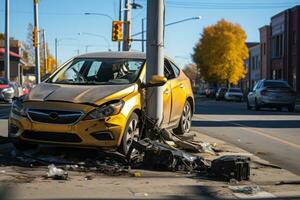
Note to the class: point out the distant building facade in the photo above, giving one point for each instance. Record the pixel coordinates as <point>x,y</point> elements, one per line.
<point>18,59</point>
<point>254,65</point>
<point>265,46</point>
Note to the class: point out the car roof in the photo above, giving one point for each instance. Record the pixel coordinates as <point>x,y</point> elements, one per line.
<point>118,54</point>
<point>114,54</point>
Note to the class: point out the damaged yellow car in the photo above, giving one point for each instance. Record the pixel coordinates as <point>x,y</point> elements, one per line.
<point>95,100</point>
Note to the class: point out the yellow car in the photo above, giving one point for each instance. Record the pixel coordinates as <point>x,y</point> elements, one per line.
<point>95,100</point>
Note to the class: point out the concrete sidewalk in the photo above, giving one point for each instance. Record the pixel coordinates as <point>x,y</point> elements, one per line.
<point>29,183</point>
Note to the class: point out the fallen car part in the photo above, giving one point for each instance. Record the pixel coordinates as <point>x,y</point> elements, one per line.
<point>56,173</point>
<point>245,189</point>
<point>231,167</point>
<point>157,156</point>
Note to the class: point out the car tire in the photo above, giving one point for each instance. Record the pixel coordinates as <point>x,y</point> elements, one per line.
<point>248,106</point>
<point>291,108</point>
<point>257,107</point>
<point>185,122</point>
<point>23,146</point>
<point>132,132</point>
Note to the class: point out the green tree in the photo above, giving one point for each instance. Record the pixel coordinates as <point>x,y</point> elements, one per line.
<point>221,52</point>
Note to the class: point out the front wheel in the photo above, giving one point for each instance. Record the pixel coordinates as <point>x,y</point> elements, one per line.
<point>132,132</point>
<point>248,106</point>
<point>185,120</point>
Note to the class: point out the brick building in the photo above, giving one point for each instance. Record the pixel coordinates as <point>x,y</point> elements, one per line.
<point>285,47</point>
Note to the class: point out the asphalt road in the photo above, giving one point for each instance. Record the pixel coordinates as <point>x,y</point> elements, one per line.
<point>271,135</point>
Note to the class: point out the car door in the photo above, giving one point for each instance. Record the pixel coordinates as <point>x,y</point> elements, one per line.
<point>167,98</point>
<point>178,91</point>
<point>252,94</point>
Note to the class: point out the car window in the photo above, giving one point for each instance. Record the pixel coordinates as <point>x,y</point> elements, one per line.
<point>175,69</point>
<point>256,85</point>
<point>168,70</point>
<point>234,90</point>
<point>99,71</point>
<point>3,81</point>
<point>275,84</point>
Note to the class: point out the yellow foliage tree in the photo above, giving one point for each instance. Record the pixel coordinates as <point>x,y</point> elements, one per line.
<point>221,52</point>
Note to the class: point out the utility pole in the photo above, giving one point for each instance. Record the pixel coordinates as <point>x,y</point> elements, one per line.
<point>120,19</point>
<point>37,46</point>
<point>7,45</point>
<point>143,35</point>
<point>155,57</point>
<point>127,29</point>
<point>56,44</point>
<point>45,51</point>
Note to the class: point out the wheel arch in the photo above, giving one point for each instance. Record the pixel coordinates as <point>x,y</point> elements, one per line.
<point>192,103</point>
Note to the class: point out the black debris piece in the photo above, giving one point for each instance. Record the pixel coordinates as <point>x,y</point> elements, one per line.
<point>231,167</point>
<point>153,155</point>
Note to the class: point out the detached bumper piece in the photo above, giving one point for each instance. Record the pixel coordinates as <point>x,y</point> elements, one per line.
<point>231,167</point>
<point>154,155</point>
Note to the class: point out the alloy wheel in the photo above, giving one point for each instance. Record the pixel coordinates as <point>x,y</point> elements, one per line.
<point>133,133</point>
<point>187,118</point>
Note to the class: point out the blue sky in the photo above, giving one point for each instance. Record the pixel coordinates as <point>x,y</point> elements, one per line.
<point>65,19</point>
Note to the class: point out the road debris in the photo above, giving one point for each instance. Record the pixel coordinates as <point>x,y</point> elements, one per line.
<point>245,189</point>
<point>231,167</point>
<point>296,182</point>
<point>56,173</point>
<point>157,156</point>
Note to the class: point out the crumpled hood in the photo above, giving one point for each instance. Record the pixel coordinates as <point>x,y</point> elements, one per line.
<point>92,94</point>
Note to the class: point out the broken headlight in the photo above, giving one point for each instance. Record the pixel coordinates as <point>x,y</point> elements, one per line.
<point>109,109</point>
<point>17,108</point>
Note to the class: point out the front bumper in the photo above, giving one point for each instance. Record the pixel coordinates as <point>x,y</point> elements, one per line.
<point>106,133</point>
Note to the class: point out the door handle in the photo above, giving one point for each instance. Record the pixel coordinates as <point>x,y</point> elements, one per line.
<point>181,85</point>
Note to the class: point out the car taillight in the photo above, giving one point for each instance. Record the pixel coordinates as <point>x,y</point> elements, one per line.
<point>264,92</point>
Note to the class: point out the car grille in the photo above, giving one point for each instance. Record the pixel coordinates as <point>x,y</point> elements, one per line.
<point>52,137</point>
<point>54,116</point>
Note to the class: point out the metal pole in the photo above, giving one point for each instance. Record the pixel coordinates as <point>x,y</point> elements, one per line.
<point>37,48</point>
<point>120,19</point>
<point>127,21</point>
<point>143,35</point>
<point>155,57</point>
<point>45,51</point>
<point>7,45</point>
<point>56,44</point>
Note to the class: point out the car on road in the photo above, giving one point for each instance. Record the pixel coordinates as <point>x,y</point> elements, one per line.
<point>210,92</point>
<point>9,90</point>
<point>220,95</point>
<point>272,94</point>
<point>234,94</point>
<point>96,100</point>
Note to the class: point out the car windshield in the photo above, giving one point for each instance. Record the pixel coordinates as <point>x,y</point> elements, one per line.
<point>234,90</point>
<point>84,71</point>
<point>3,81</point>
<point>275,84</point>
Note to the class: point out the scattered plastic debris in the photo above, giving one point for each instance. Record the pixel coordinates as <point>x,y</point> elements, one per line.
<point>207,148</point>
<point>245,189</point>
<point>231,167</point>
<point>157,156</point>
<point>56,173</point>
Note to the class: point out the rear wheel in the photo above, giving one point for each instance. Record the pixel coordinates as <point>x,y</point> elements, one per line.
<point>257,107</point>
<point>132,132</point>
<point>291,108</point>
<point>185,120</point>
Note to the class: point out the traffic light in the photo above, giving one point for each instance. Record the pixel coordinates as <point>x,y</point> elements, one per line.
<point>117,34</point>
<point>35,37</point>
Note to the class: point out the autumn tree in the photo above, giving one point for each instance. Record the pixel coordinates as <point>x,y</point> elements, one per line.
<point>221,52</point>
<point>191,71</point>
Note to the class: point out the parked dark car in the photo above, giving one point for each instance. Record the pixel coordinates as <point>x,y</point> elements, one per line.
<point>272,94</point>
<point>210,92</point>
<point>220,95</point>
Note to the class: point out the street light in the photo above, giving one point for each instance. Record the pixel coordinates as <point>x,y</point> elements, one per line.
<point>100,14</point>
<point>100,36</point>
<point>56,46</point>
<point>172,23</point>
<point>169,24</point>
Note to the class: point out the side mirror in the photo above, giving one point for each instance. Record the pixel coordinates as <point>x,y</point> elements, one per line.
<point>157,81</point>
